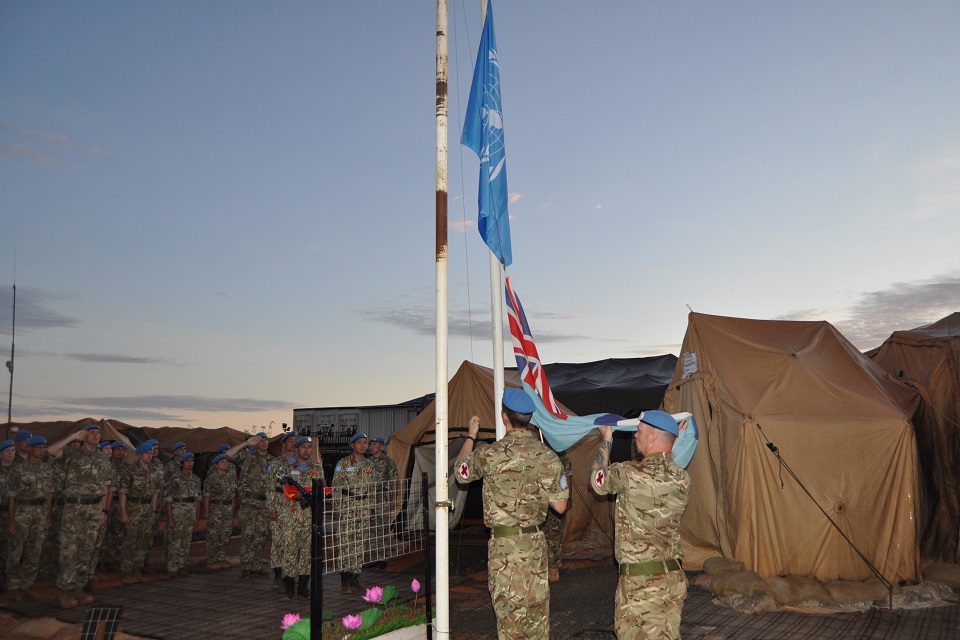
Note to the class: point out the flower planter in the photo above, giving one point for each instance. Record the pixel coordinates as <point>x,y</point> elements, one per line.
<point>418,632</point>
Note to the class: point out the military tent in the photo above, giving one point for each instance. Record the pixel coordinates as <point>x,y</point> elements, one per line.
<point>843,425</point>
<point>928,359</point>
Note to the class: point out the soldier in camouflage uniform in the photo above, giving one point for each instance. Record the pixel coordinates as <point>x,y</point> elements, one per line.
<point>288,456</point>
<point>85,494</point>
<point>106,449</point>
<point>387,489</point>
<point>258,471</point>
<point>30,496</point>
<point>219,504</point>
<point>50,558</point>
<point>20,441</point>
<point>296,531</point>
<point>651,498</point>
<point>182,504</point>
<point>140,491</point>
<point>521,478</point>
<point>8,452</point>
<point>553,530</point>
<point>352,489</point>
<point>110,556</point>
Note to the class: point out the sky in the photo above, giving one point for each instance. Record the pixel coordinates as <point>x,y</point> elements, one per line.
<point>216,212</point>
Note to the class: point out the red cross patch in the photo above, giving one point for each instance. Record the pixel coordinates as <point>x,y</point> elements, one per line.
<point>464,470</point>
<point>598,479</point>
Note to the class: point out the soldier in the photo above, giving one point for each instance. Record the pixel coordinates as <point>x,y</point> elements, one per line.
<point>86,489</point>
<point>257,477</point>
<point>521,478</point>
<point>288,456</point>
<point>106,448</point>
<point>20,440</point>
<point>387,488</point>
<point>8,451</point>
<point>352,487</point>
<point>28,508</point>
<point>183,510</point>
<point>553,529</point>
<point>110,555</point>
<point>219,505</point>
<point>139,494</point>
<point>651,498</point>
<point>172,468</point>
<point>296,532</point>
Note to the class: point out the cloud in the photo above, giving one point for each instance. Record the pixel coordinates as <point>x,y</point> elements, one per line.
<point>902,305</point>
<point>179,403</point>
<point>460,225</point>
<point>34,310</point>
<point>551,202</point>
<point>598,207</point>
<point>109,358</point>
<point>57,139</point>
<point>21,150</point>
<point>222,294</point>
<point>514,197</point>
<point>460,323</point>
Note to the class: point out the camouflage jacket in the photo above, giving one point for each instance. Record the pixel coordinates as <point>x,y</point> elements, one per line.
<point>141,482</point>
<point>521,477</point>
<point>86,473</point>
<point>352,479</point>
<point>4,483</point>
<point>384,470</point>
<point>31,481</point>
<point>257,473</point>
<point>183,486</point>
<point>220,487</point>
<point>651,498</point>
<point>304,475</point>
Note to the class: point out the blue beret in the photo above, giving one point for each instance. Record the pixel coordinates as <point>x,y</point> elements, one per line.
<point>660,420</point>
<point>6,444</point>
<point>303,440</point>
<point>185,456</point>
<point>22,435</point>
<point>152,442</point>
<point>146,447</point>
<point>357,436</point>
<point>91,427</point>
<point>218,458</point>
<point>222,448</point>
<point>517,400</point>
<point>378,439</point>
<point>262,435</point>
<point>284,437</point>
<point>177,445</point>
<point>104,443</point>
<point>35,440</point>
<point>119,444</point>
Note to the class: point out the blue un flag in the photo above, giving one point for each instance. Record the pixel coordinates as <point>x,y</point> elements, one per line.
<point>483,132</point>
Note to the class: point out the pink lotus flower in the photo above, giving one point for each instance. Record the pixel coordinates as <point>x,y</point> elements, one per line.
<point>374,594</point>
<point>415,586</point>
<point>289,619</point>
<point>351,622</point>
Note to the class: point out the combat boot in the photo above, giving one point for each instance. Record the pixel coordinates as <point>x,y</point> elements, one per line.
<point>355,582</point>
<point>288,588</point>
<point>345,582</point>
<point>67,601</point>
<point>303,586</point>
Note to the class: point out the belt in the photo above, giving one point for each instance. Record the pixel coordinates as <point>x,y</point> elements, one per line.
<point>135,500</point>
<point>72,500</point>
<point>653,568</point>
<point>255,496</point>
<point>222,501</point>
<point>509,532</point>
<point>31,502</point>
<point>190,499</point>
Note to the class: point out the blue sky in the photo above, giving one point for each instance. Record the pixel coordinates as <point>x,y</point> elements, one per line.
<point>220,211</point>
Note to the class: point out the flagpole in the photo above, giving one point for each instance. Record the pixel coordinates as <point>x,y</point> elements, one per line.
<point>441,622</point>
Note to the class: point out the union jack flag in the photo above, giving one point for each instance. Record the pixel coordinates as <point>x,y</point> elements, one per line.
<point>525,350</point>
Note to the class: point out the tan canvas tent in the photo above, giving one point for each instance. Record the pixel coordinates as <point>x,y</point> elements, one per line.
<point>928,359</point>
<point>470,393</point>
<point>842,424</point>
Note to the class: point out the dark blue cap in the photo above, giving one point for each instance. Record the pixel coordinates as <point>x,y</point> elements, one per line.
<point>377,439</point>
<point>517,400</point>
<point>22,435</point>
<point>185,456</point>
<point>104,443</point>
<point>222,448</point>
<point>218,458</point>
<point>36,440</point>
<point>146,447</point>
<point>177,445</point>
<point>91,427</point>
<point>6,444</point>
<point>302,440</point>
<point>357,436</point>
<point>284,437</point>
<point>262,435</point>
<point>119,444</point>
<point>660,420</point>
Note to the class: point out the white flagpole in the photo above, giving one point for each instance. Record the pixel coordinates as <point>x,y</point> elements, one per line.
<point>441,623</point>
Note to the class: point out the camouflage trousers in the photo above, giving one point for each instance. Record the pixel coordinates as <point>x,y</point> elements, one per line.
<point>78,537</point>
<point>26,545</point>
<point>137,537</point>
<point>254,519</point>
<point>649,606</point>
<point>50,558</point>
<point>282,506</point>
<point>296,541</point>
<point>517,570</point>
<point>97,549</point>
<point>553,530</point>
<point>110,553</point>
<point>219,528</point>
<point>352,534</point>
<point>4,543</point>
<point>180,535</point>
<point>380,534</point>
